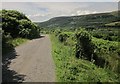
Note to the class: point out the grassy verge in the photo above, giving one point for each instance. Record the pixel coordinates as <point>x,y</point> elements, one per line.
<point>71,69</point>
<point>10,44</point>
<point>17,41</point>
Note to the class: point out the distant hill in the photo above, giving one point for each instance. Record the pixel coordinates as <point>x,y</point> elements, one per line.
<point>90,20</point>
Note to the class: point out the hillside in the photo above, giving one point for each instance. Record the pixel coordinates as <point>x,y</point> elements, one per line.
<point>90,20</point>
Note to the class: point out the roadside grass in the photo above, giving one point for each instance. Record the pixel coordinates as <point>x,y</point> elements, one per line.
<point>11,43</point>
<point>60,54</point>
<point>71,69</point>
<point>17,41</point>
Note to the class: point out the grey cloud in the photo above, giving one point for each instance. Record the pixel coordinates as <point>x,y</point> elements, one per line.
<point>41,11</point>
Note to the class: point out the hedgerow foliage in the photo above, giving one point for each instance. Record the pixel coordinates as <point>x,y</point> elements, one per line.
<point>18,25</point>
<point>104,54</point>
<point>84,45</point>
<point>71,69</point>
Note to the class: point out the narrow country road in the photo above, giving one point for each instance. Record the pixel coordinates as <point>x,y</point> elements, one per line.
<point>34,60</point>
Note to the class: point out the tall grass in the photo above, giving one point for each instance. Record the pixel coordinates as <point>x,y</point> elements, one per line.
<point>17,41</point>
<point>11,43</point>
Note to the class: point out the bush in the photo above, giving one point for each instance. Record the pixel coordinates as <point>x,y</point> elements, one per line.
<point>10,25</point>
<point>107,54</point>
<point>28,29</point>
<point>57,32</point>
<point>69,69</point>
<point>66,38</point>
<point>84,46</point>
<point>62,37</point>
<point>18,25</point>
<point>106,34</point>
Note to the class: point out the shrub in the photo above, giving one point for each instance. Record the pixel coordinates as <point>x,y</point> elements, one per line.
<point>57,32</point>
<point>10,25</point>
<point>18,25</point>
<point>84,46</point>
<point>28,29</point>
<point>62,37</point>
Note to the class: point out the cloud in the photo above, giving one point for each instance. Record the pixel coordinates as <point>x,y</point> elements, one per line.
<point>37,15</point>
<point>42,11</point>
<point>59,0</point>
<point>85,12</point>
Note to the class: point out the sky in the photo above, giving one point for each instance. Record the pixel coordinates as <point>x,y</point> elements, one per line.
<point>60,0</point>
<point>42,11</point>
